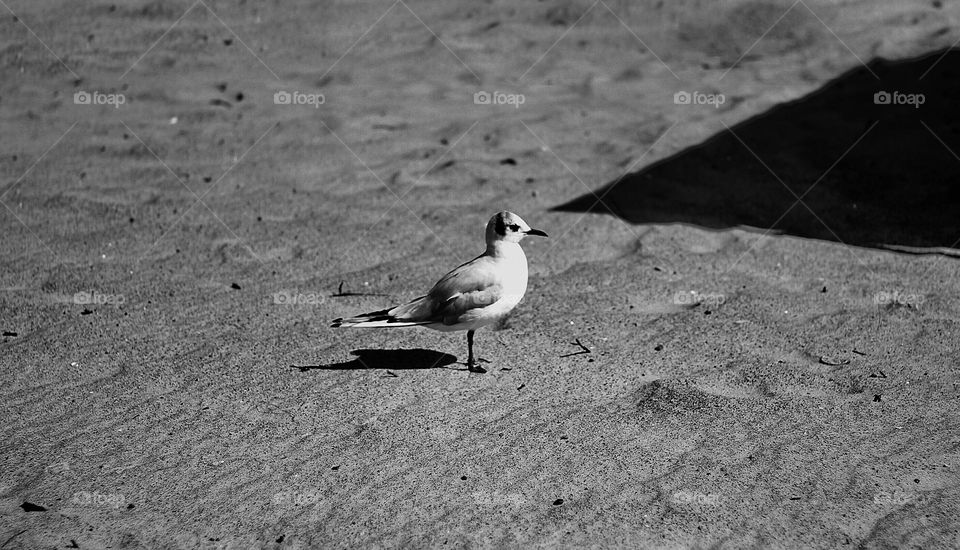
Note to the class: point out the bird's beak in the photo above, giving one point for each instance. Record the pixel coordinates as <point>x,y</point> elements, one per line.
<point>536,232</point>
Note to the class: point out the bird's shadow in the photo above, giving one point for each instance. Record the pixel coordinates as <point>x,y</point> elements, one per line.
<point>390,360</point>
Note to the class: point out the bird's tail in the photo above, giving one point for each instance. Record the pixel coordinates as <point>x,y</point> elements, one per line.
<point>400,316</point>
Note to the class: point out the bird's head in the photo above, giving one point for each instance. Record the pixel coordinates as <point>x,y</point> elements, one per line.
<point>509,227</point>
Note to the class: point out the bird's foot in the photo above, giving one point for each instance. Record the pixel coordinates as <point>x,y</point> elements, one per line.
<point>472,365</point>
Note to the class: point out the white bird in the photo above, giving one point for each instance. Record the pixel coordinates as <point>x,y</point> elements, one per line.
<point>474,295</point>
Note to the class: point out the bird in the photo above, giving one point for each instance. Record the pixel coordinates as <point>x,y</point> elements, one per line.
<point>476,294</point>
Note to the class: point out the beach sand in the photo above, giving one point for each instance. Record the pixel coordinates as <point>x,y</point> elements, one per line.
<point>676,376</point>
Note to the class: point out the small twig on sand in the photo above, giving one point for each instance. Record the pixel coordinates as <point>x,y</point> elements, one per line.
<point>393,374</point>
<point>341,294</point>
<point>583,349</point>
<point>858,352</point>
<point>15,535</point>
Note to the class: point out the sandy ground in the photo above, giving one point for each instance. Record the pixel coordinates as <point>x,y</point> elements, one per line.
<point>171,264</point>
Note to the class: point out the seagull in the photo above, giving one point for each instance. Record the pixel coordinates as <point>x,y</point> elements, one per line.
<point>474,295</point>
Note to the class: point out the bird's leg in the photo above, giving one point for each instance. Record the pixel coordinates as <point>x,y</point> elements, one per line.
<point>470,363</point>
<point>470,349</point>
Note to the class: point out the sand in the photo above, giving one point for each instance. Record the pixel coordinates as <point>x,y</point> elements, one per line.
<point>678,375</point>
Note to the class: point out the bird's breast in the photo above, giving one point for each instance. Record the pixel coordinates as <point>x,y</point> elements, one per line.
<point>514,272</point>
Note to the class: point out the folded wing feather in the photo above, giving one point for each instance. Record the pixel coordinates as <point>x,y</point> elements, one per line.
<point>470,286</point>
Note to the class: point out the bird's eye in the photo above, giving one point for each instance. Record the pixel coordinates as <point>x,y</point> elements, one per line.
<point>514,227</point>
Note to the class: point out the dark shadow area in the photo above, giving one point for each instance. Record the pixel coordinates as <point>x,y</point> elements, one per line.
<point>388,359</point>
<point>873,173</point>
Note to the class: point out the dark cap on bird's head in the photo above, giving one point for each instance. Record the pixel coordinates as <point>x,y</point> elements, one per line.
<point>507,226</point>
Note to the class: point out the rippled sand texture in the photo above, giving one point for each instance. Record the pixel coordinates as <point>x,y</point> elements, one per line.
<point>171,263</point>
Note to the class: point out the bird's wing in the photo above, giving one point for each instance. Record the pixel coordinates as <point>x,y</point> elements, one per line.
<point>473,285</point>
<point>453,309</point>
